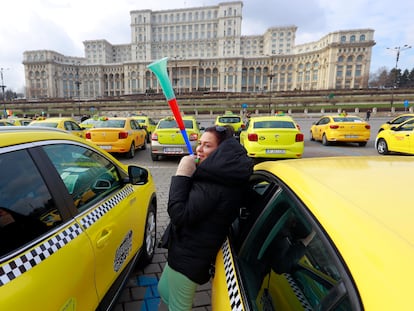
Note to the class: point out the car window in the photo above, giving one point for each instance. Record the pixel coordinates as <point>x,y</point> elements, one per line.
<point>229,119</point>
<point>87,175</point>
<point>27,209</point>
<point>168,124</point>
<point>279,272</point>
<point>273,124</point>
<point>110,123</point>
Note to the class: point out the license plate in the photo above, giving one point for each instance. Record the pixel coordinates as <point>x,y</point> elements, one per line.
<point>351,136</point>
<point>173,150</point>
<point>106,147</point>
<point>275,151</point>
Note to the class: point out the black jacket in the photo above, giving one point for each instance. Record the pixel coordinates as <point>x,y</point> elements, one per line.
<point>202,208</point>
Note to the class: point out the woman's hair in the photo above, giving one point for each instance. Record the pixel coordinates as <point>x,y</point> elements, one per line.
<point>221,132</point>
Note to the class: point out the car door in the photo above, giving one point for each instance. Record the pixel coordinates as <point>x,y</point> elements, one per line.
<point>46,259</point>
<point>267,267</point>
<point>402,138</point>
<point>74,129</point>
<point>105,208</point>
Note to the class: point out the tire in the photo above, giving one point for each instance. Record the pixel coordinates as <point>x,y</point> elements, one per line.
<point>311,136</point>
<point>362,144</point>
<point>154,157</point>
<point>382,146</point>
<point>150,237</point>
<point>144,145</point>
<point>148,138</point>
<point>325,141</point>
<point>131,153</point>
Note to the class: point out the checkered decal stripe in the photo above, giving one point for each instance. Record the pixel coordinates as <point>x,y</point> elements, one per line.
<point>232,286</point>
<point>298,292</point>
<point>27,261</point>
<point>97,213</point>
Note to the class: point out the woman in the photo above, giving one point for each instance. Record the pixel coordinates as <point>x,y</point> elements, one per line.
<point>204,200</point>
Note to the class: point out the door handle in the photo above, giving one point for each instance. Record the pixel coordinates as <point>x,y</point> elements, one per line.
<point>103,239</point>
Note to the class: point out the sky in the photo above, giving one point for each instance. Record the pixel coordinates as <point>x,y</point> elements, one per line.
<point>63,25</point>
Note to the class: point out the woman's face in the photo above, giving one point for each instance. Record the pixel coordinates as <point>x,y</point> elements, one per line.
<point>207,144</point>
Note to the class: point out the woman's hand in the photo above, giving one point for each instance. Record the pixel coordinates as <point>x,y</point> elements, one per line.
<point>186,167</point>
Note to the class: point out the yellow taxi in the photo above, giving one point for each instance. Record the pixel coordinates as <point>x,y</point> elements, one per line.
<point>341,128</point>
<point>64,123</point>
<point>319,234</point>
<point>122,135</point>
<point>229,118</point>
<point>19,121</point>
<point>398,139</point>
<point>74,221</point>
<point>272,137</point>
<point>396,121</point>
<point>148,124</point>
<point>167,139</point>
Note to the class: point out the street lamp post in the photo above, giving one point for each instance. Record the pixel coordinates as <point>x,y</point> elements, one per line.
<point>176,79</point>
<point>2,88</point>
<point>78,83</point>
<point>270,76</point>
<point>398,50</point>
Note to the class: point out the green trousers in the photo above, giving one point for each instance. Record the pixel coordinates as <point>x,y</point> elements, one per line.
<point>176,290</point>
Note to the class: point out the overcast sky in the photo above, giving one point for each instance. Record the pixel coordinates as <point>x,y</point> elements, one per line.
<point>62,25</point>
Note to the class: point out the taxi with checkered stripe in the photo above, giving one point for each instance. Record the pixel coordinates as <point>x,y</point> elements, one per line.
<point>74,221</point>
<point>320,234</point>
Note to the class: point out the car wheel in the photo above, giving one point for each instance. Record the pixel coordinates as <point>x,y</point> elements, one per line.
<point>325,141</point>
<point>131,153</point>
<point>150,236</point>
<point>362,144</point>
<point>154,157</point>
<point>382,146</point>
<point>311,136</point>
<point>148,137</point>
<point>144,145</point>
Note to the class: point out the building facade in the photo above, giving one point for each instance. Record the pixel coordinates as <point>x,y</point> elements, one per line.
<point>207,52</point>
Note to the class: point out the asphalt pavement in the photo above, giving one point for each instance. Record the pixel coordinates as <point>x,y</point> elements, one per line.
<point>140,293</point>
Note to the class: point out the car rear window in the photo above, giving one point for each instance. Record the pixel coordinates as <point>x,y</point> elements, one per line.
<point>229,119</point>
<point>111,123</point>
<point>170,124</point>
<point>45,124</point>
<point>274,125</point>
<point>347,119</point>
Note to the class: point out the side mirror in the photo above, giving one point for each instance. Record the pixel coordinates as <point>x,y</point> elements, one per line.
<point>137,175</point>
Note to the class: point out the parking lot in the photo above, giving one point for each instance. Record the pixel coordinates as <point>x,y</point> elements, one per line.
<point>140,292</point>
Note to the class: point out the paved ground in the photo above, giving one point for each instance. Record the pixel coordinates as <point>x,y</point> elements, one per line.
<point>140,294</point>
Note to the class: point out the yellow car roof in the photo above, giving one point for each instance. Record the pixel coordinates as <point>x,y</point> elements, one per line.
<point>364,204</point>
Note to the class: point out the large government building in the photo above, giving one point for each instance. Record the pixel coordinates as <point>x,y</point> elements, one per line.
<point>207,52</point>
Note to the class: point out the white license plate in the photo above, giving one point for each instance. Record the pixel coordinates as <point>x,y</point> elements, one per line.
<point>173,150</point>
<point>275,151</point>
<point>351,136</point>
<point>106,147</point>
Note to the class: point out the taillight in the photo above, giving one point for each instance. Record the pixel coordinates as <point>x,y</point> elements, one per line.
<point>253,137</point>
<point>154,136</point>
<point>367,126</point>
<point>299,137</point>
<point>193,136</point>
<point>88,135</point>
<point>122,135</point>
<point>243,126</point>
<point>334,126</point>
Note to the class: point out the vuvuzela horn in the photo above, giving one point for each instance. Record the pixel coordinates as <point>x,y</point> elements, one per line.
<point>159,68</point>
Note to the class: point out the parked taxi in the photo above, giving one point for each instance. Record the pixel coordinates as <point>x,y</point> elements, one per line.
<point>64,123</point>
<point>321,234</point>
<point>396,121</point>
<point>74,221</point>
<point>19,121</point>
<point>341,128</point>
<point>399,138</point>
<point>148,124</point>
<point>122,135</point>
<point>229,118</point>
<point>272,137</point>
<point>167,139</point>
